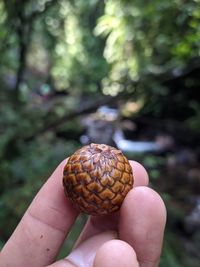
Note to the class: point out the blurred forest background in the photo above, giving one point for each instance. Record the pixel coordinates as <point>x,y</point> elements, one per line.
<point>125,73</point>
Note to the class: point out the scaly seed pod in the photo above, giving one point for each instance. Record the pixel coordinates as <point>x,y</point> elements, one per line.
<point>97,178</point>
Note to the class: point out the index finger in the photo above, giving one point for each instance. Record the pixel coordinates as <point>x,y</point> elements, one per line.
<point>43,227</point>
<point>97,224</point>
<point>142,224</point>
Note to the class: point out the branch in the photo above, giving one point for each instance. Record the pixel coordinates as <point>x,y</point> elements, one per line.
<point>177,73</point>
<point>82,110</point>
<point>37,13</point>
<point>24,31</point>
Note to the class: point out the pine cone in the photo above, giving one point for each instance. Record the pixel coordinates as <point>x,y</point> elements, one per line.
<point>97,178</point>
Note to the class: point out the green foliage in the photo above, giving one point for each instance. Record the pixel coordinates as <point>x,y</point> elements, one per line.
<point>144,32</point>
<point>169,257</point>
<point>143,46</point>
<point>78,54</point>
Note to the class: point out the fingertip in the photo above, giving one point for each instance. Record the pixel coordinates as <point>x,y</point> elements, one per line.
<point>108,255</point>
<point>142,223</point>
<point>140,174</point>
<point>146,208</point>
<point>146,198</point>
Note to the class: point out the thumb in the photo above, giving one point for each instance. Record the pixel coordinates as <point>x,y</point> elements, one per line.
<point>83,255</point>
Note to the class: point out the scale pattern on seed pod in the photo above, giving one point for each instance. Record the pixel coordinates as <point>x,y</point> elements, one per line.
<point>97,178</point>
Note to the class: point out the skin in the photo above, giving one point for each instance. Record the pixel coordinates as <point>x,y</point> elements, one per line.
<point>136,230</point>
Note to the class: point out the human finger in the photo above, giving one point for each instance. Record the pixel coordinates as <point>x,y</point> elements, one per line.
<point>141,177</point>
<point>142,223</point>
<point>97,224</point>
<point>116,253</point>
<point>84,254</point>
<point>43,228</point>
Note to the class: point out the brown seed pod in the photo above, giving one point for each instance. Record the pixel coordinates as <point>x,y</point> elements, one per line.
<point>97,178</point>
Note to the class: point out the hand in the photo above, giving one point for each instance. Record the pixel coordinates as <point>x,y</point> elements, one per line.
<point>132,237</point>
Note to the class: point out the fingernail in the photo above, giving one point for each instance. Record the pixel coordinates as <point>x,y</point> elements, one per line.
<point>84,254</point>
